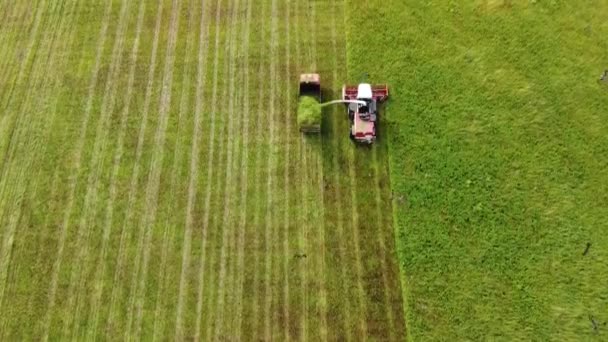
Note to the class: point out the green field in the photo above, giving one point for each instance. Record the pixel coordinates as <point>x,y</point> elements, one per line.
<point>154,184</point>
<point>497,133</point>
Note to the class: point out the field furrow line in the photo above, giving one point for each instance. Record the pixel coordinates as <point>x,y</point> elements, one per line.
<point>177,159</point>
<point>37,143</point>
<point>101,134</point>
<point>212,309</point>
<point>18,182</point>
<point>10,123</point>
<point>108,221</point>
<point>244,185</point>
<point>50,119</point>
<point>153,186</point>
<point>73,182</point>
<point>13,131</point>
<point>6,11</point>
<point>259,138</point>
<point>18,157</point>
<point>381,242</point>
<point>17,30</point>
<point>14,25</point>
<point>271,166</point>
<point>287,185</point>
<point>21,28</point>
<point>10,127</point>
<point>133,189</point>
<point>30,151</point>
<point>203,44</point>
<point>210,172</point>
<point>226,223</point>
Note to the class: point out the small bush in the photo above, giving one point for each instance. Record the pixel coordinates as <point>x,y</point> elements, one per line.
<point>309,112</point>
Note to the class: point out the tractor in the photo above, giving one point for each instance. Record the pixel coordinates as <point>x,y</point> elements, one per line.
<point>362,108</point>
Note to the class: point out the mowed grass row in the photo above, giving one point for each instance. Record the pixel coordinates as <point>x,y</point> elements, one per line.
<point>154,183</point>
<point>357,206</point>
<point>496,133</point>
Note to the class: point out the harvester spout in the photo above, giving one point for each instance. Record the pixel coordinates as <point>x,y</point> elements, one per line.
<point>343,101</point>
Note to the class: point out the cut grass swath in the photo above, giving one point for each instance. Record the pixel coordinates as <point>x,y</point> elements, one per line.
<point>102,264</point>
<point>184,107</point>
<point>77,280</point>
<point>76,167</point>
<point>133,190</point>
<point>155,172</point>
<point>193,173</point>
<point>210,173</point>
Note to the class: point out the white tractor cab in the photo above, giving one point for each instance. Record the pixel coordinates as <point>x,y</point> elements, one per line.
<point>363,113</point>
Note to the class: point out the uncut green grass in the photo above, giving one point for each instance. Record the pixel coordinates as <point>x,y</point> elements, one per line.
<point>271,197</point>
<point>496,134</point>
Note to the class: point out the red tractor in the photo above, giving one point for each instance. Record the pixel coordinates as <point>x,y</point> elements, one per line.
<point>362,104</point>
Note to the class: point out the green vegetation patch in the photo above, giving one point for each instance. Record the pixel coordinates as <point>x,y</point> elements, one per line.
<point>497,138</point>
<point>309,113</point>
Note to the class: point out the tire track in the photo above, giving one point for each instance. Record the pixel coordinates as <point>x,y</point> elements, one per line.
<point>153,187</point>
<point>177,160</point>
<point>271,166</point>
<point>230,181</point>
<point>133,190</point>
<point>210,172</point>
<point>77,165</point>
<point>244,186</point>
<point>101,134</point>
<point>107,230</point>
<point>194,166</point>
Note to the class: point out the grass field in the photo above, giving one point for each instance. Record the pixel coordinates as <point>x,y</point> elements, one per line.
<point>497,136</point>
<point>154,184</point>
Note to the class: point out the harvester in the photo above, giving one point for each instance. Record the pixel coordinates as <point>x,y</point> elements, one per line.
<point>363,114</point>
<point>362,102</point>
